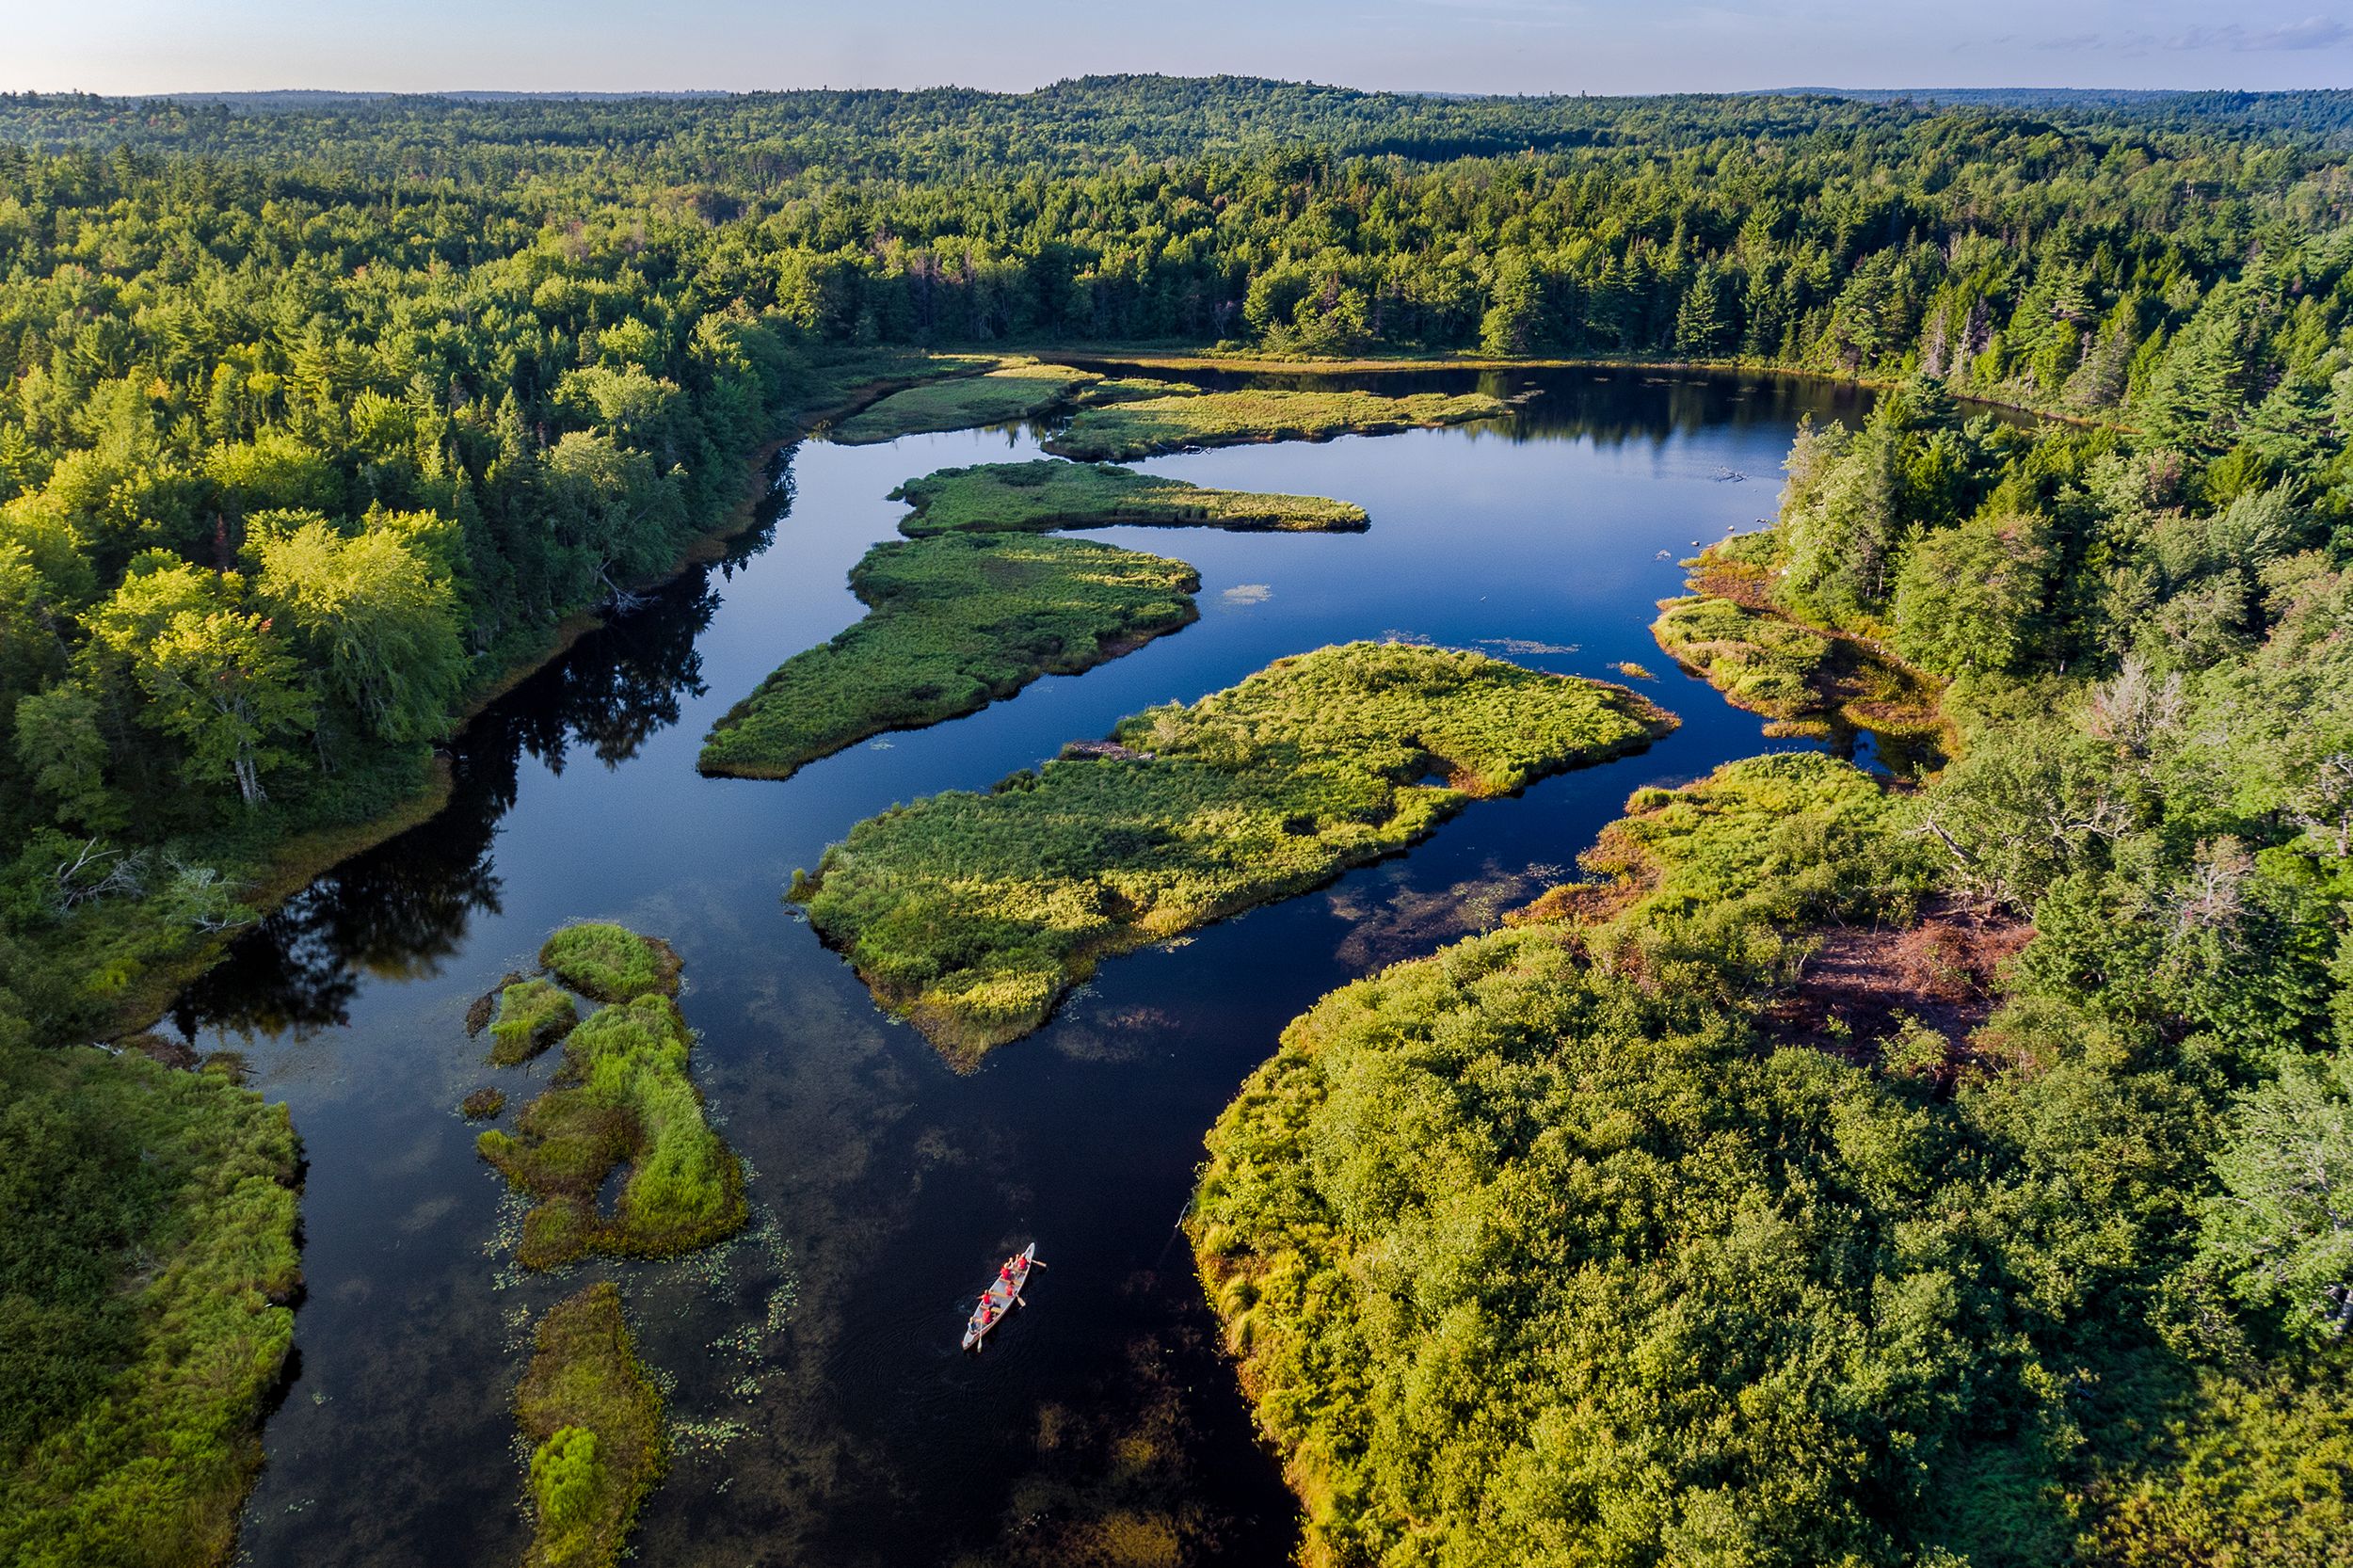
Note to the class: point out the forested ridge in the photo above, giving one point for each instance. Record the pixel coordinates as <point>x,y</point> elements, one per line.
<point>317,422</point>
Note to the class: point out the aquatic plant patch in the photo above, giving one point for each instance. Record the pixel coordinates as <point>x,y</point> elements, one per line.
<point>606,962</point>
<point>593,1416</point>
<point>621,1098</point>
<point>956,623</point>
<point>972,914</point>
<point>1010,393</point>
<point>1137,429</point>
<point>1043,495</point>
<point>533,1014</point>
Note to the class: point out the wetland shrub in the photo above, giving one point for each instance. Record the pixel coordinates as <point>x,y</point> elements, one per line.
<point>999,396</point>
<point>610,963</point>
<point>971,914</point>
<point>595,1416</point>
<point>1046,495</point>
<point>1120,431</point>
<point>533,1014</point>
<point>622,1095</point>
<point>954,623</point>
<point>148,1265</point>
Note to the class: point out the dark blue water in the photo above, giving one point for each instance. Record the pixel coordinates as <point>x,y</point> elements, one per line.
<point>824,1411</point>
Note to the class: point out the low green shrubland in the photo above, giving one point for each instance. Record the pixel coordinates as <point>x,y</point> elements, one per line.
<point>1808,678</point>
<point>972,914</point>
<point>593,1415</point>
<point>1011,391</point>
<point>610,963</point>
<point>533,1014</point>
<point>1137,429</point>
<point>622,1096</point>
<point>1039,496</point>
<point>956,623</point>
<point>148,1268</point>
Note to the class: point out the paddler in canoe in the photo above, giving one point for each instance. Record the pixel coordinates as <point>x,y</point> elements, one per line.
<point>1002,1295</point>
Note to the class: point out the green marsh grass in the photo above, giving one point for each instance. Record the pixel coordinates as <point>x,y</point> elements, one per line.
<point>1010,393</point>
<point>622,1096</point>
<point>1043,495</point>
<point>956,622</point>
<point>606,962</point>
<point>972,914</point>
<point>1137,429</point>
<point>593,1415</point>
<point>533,1014</point>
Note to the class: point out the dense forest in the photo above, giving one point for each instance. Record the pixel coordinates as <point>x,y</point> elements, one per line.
<point>319,419</point>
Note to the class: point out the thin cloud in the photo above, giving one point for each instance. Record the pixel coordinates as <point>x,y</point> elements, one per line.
<point>2314,32</point>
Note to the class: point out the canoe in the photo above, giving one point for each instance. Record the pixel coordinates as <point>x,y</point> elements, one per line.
<point>999,1299</point>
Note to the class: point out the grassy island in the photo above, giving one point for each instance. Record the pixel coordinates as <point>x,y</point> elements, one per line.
<point>533,1014</point>
<point>1119,431</point>
<point>956,622</point>
<point>1041,496</point>
<point>995,398</point>
<point>593,1416</point>
<point>606,962</point>
<point>148,1270</point>
<point>1809,679</point>
<point>622,1096</point>
<point>972,914</point>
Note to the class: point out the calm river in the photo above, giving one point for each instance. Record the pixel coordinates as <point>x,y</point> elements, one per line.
<point>823,1412</point>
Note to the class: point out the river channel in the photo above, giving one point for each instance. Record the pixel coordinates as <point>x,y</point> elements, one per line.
<point>824,1414</point>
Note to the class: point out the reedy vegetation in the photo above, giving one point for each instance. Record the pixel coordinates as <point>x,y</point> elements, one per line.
<point>956,622</point>
<point>972,914</point>
<point>1146,425</point>
<point>1043,495</point>
<point>594,1416</point>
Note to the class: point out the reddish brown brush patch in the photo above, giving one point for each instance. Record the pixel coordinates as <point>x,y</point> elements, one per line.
<point>1941,972</point>
<point>162,1050</point>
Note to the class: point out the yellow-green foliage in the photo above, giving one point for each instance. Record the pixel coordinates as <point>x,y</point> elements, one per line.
<point>533,1015</point>
<point>972,914</point>
<point>1804,676</point>
<point>1137,429</point>
<point>623,1094</point>
<point>146,1268</point>
<point>956,623</point>
<point>610,963</point>
<point>595,1417</point>
<point>1013,391</point>
<point>1784,837</point>
<point>1036,497</point>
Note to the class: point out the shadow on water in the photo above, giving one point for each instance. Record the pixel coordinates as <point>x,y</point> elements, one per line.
<point>819,1406</point>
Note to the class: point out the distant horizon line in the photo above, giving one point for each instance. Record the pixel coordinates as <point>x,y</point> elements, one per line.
<point>609,94</point>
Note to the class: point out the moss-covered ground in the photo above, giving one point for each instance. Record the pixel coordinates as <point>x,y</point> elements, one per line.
<point>593,1416</point>
<point>972,914</point>
<point>148,1268</point>
<point>533,1014</point>
<point>622,1096</point>
<point>606,962</point>
<point>1040,496</point>
<point>1018,391</point>
<point>1119,431</point>
<point>1810,679</point>
<point>956,623</point>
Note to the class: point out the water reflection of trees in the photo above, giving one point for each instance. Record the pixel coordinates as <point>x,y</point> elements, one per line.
<point>401,908</point>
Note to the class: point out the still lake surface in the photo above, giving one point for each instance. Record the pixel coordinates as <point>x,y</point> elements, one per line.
<point>823,1411</point>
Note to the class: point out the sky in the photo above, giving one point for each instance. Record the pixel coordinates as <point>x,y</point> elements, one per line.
<point>155,46</point>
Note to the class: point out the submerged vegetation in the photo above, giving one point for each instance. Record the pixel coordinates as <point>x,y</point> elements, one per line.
<point>1011,391</point>
<point>623,1096</point>
<point>972,914</point>
<point>1042,495</point>
<point>148,1274</point>
<point>1119,431</point>
<point>593,1416</point>
<point>606,962</point>
<point>955,622</point>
